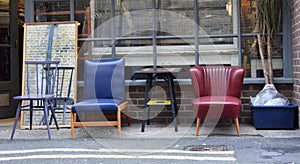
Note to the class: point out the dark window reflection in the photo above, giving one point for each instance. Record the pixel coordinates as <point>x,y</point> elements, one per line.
<point>4,41</point>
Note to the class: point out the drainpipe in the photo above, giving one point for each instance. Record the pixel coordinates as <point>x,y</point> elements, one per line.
<point>50,40</point>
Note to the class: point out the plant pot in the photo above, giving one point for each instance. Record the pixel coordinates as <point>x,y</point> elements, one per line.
<point>275,117</point>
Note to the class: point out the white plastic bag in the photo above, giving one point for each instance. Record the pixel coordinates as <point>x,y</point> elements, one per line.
<point>269,96</point>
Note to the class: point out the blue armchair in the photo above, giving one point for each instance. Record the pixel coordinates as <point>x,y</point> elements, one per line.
<point>104,95</point>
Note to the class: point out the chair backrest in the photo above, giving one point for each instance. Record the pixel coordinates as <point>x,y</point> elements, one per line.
<point>104,79</point>
<point>64,85</point>
<point>64,81</point>
<point>40,77</point>
<point>217,80</point>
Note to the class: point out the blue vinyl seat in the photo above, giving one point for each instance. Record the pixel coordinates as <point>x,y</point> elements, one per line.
<point>104,95</point>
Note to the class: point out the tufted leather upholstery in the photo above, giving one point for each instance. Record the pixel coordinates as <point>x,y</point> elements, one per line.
<point>217,92</point>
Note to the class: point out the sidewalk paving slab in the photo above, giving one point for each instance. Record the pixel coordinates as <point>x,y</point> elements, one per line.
<point>152,131</point>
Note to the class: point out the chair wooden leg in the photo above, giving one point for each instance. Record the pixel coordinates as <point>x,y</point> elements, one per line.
<point>53,116</point>
<point>237,126</point>
<point>46,119</point>
<point>230,121</point>
<point>73,119</point>
<point>198,126</point>
<point>30,114</point>
<point>119,119</point>
<point>30,119</point>
<point>204,122</point>
<point>64,112</point>
<point>16,120</point>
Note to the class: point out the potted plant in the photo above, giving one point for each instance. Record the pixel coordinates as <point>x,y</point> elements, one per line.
<point>268,22</point>
<point>273,115</point>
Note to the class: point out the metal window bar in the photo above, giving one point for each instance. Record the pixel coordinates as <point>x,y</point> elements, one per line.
<point>196,24</point>
<point>30,18</point>
<point>154,33</point>
<point>239,33</point>
<point>113,40</point>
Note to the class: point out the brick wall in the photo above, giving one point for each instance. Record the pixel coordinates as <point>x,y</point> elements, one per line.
<point>296,49</point>
<point>184,95</point>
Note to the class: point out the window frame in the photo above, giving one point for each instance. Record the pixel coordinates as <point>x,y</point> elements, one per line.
<point>286,40</point>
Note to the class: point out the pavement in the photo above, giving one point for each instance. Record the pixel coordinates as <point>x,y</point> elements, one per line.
<point>151,131</point>
<point>158,144</point>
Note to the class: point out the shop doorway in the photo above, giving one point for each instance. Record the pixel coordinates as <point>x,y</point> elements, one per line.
<point>10,78</point>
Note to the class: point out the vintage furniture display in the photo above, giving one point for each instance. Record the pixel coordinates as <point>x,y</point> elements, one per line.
<point>217,93</point>
<point>38,88</point>
<point>152,74</point>
<point>104,95</point>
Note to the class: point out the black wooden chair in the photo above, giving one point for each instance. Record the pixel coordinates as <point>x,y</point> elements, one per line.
<point>62,91</point>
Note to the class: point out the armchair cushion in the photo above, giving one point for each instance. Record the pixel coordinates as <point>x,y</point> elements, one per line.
<point>93,105</point>
<point>230,105</point>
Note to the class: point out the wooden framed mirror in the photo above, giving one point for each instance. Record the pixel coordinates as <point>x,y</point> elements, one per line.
<point>51,41</point>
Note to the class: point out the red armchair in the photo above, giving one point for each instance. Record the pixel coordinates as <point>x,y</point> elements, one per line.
<point>217,93</point>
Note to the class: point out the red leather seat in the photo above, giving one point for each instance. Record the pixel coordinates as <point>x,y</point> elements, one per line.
<point>217,92</point>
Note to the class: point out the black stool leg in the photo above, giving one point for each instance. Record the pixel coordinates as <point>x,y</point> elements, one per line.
<point>146,110</point>
<point>173,100</point>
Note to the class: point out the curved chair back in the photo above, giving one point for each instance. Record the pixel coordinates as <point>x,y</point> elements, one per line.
<point>217,80</point>
<point>217,93</point>
<point>105,79</point>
